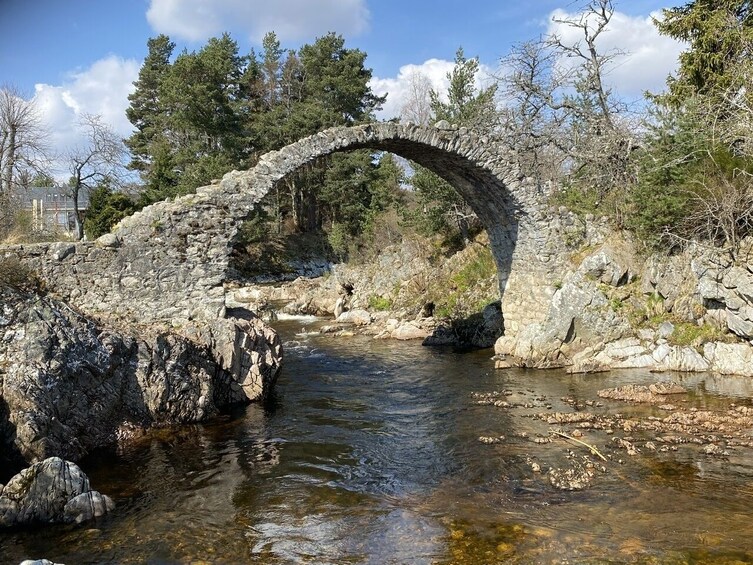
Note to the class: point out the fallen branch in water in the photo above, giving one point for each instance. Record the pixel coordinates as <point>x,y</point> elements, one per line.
<point>590,447</point>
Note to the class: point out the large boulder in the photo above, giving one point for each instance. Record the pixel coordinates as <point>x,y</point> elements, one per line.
<point>69,384</point>
<point>730,358</point>
<point>357,317</point>
<point>579,318</point>
<point>50,491</point>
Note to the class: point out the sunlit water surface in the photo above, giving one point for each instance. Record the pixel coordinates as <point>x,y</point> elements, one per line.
<point>369,453</point>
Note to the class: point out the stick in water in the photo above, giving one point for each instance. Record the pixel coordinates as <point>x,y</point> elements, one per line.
<point>576,440</point>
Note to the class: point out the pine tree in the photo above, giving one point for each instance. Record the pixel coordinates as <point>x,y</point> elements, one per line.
<point>466,105</point>
<point>146,111</point>
<point>720,34</point>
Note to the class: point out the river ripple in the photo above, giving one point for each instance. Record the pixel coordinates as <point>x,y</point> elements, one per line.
<point>369,453</point>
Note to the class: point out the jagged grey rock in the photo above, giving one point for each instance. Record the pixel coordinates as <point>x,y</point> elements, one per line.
<point>50,491</point>
<point>86,506</point>
<point>69,384</point>
<point>612,265</point>
<point>730,358</point>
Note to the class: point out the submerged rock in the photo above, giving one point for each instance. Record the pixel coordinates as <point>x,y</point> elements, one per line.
<point>51,491</point>
<point>652,394</point>
<point>577,477</point>
<point>86,506</point>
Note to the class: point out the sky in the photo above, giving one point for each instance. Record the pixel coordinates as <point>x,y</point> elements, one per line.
<point>82,56</point>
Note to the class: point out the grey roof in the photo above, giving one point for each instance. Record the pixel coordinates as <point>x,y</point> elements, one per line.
<point>55,196</point>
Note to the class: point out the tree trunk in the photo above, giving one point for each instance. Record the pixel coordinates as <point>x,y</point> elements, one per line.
<point>10,161</point>
<point>3,140</point>
<point>295,201</point>
<point>79,231</point>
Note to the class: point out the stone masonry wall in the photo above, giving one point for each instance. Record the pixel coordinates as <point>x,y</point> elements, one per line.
<point>169,261</point>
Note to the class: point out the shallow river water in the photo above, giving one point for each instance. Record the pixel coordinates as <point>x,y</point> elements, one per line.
<point>369,452</point>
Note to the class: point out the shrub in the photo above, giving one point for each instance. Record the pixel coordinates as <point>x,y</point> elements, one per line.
<point>106,208</point>
<point>687,333</point>
<point>339,239</point>
<point>18,276</point>
<point>480,268</point>
<point>379,303</point>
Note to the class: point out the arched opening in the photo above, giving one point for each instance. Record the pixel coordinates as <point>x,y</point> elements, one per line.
<point>171,260</point>
<point>474,170</point>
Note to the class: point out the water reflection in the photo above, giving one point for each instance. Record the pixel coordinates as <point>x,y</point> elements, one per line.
<point>369,453</point>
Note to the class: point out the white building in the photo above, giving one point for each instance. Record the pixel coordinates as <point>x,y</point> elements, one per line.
<point>51,208</point>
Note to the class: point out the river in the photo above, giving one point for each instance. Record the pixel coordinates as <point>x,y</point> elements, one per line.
<point>369,452</point>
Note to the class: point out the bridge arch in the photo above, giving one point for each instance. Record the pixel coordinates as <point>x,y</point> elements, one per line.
<point>169,261</point>
<point>476,167</point>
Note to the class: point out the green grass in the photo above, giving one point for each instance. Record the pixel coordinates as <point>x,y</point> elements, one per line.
<point>687,333</point>
<point>379,303</point>
<point>479,268</point>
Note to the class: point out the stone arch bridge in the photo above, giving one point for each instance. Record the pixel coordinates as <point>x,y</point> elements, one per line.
<point>169,261</point>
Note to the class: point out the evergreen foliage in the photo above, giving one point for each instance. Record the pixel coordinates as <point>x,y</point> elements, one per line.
<point>106,208</point>
<point>212,110</point>
<point>682,171</point>
<point>720,34</point>
<point>438,206</point>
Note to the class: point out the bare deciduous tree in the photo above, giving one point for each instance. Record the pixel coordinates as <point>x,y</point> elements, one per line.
<point>721,210</point>
<point>23,139</point>
<point>559,113</point>
<point>532,115</point>
<point>416,107</point>
<point>591,64</point>
<point>99,159</point>
<point>23,147</point>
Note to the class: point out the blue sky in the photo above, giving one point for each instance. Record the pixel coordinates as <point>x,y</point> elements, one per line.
<point>81,56</point>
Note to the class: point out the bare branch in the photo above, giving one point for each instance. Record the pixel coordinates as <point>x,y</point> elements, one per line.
<point>417,106</point>
<point>23,139</point>
<point>100,159</point>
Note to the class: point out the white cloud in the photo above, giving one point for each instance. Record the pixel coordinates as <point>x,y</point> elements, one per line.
<point>291,20</point>
<point>101,89</point>
<point>648,56</point>
<point>398,88</point>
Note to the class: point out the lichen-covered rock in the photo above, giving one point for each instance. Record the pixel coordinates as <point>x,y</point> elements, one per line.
<point>613,264</point>
<point>50,491</point>
<point>579,317</point>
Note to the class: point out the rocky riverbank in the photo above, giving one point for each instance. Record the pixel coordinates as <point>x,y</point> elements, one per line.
<point>607,305</point>
<point>614,308</point>
<point>70,383</point>
<point>410,291</point>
